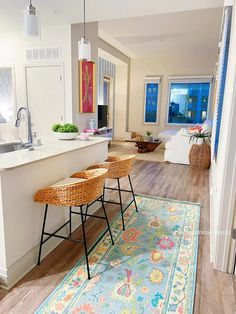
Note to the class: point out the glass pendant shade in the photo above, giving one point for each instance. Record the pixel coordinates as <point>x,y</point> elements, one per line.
<point>84,49</point>
<point>31,25</point>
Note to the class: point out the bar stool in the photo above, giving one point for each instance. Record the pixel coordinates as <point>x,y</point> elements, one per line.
<point>85,188</point>
<point>118,167</point>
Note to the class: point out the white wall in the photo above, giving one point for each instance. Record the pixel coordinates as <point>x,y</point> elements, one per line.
<point>66,37</point>
<point>13,52</point>
<point>165,67</point>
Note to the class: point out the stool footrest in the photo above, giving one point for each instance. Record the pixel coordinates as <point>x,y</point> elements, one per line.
<point>61,237</point>
<point>52,234</point>
<point>94,216</point>
<point>116,203</point>
<point>115,189</point>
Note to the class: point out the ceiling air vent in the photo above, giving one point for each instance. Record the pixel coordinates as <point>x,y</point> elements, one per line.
<point>43,55</point>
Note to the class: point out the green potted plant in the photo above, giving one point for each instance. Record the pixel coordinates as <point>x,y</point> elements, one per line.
<point>200,135</point>
<point>200,152</point>
<point>65,131</point>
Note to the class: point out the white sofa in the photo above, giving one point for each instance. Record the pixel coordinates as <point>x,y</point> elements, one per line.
<point>177,148</point>
<point>166,134</point>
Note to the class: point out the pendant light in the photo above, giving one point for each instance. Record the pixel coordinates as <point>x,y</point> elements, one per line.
<point>84,46</point>
<point>31,24</point>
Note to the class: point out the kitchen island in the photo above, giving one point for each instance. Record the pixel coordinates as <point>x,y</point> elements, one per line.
<point>22,173</point>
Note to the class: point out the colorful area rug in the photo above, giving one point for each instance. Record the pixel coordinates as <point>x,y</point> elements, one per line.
<point>150,269</point>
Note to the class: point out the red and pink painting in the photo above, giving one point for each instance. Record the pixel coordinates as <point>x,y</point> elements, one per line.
<point>87,86</point>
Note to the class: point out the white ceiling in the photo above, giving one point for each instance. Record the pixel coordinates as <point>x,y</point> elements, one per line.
<point>71,11</point>
<point>181,33</point>
<point>140,28</point>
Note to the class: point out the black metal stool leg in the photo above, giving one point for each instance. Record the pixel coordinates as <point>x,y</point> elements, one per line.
<point>132,190</point>
<point>41,241</point>
<point>121,207</point>
<point>85,217</point>
<point>103,195</point>
<point>85,243</point>
<point>70,227</point>
<point>108,225</point>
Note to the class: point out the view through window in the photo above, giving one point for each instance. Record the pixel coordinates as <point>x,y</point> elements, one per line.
<point>188,102</point>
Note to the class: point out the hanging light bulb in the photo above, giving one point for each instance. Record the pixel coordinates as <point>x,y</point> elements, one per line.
<point>31,21</point>
<point>84,46</point>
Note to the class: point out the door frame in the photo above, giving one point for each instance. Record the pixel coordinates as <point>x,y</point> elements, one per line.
<point>36,65</point>
<point>224,246</point>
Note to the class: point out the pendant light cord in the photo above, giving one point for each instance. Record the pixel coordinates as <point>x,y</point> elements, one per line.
<point>84,18</point>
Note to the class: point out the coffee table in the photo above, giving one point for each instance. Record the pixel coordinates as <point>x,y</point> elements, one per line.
<point>145,146</point>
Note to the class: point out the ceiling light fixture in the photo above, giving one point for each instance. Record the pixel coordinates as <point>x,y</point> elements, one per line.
<point>84,46</point>
<point>31,23</point>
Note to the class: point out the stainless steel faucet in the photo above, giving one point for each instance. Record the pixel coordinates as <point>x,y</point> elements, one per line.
<point>17,124</point>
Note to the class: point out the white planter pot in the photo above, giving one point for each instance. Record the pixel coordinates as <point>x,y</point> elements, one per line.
<point>65,136</point>
<point>199,141</point>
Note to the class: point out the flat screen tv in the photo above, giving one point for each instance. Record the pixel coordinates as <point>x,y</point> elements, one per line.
<point>102,116</point>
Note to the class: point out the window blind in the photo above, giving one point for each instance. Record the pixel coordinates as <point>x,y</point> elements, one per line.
<point>222,71</point>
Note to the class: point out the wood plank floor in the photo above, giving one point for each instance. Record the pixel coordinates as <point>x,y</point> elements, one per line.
<point>215,291</point>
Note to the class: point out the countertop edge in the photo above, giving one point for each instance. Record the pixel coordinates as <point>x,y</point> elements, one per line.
<point>102,140</point>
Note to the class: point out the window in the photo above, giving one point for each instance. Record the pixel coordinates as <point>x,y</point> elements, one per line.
<point>152,91</point>
<point>7,99</point>
<point>189,100</point>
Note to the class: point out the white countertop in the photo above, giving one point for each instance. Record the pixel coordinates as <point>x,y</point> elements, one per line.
<point>50,147</point>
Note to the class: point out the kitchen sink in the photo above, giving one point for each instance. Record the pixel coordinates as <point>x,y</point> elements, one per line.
<point>6,148</point>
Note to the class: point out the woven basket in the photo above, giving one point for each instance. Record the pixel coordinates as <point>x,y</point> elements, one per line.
<point>200,156</point>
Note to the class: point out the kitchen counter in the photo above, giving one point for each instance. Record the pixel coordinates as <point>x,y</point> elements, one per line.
<point>50,147</point>
<point>22,173</point>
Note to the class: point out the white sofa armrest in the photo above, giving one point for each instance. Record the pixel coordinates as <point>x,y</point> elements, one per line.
<point>177,149</point>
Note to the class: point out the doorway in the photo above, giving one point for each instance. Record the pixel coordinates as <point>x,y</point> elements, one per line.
<point>107,100</point>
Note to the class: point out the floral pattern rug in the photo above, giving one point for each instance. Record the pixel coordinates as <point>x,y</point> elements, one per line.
<point>150,269</point>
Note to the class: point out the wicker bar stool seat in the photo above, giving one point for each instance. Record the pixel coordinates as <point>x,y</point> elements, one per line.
<point>74,192</point>
<point>118,167</point>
